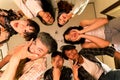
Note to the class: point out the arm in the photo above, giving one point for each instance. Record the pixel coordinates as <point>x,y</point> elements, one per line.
<point>79,7</point>
<point>9,73</point>
<point>95,42</point>
<point>75,68</point>
<point>5,61</point>
<point>92,24</point>
<point>56,73</point>
<point>21,52</point>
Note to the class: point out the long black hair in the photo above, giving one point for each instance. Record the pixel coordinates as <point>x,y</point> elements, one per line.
<point>47,7</point>
<point>63,7</point>
<point>81,41</point>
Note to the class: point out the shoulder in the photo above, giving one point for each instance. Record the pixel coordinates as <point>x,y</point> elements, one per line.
<point>49,71</point>
<point>67,69</point>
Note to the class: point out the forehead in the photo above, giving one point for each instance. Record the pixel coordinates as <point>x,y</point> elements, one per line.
<point>40,45</point>
<point>57,57</point>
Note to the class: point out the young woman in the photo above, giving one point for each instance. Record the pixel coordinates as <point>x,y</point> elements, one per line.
<point>66,10</point>
<point>90,37</point>
<point>90,28</point>
<point>42,9</point>
<point>10,25</point>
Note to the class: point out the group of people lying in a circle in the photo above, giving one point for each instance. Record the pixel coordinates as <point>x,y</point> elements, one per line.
<point>27,61</point>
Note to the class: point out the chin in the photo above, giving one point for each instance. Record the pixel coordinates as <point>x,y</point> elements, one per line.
<point>31,58</point>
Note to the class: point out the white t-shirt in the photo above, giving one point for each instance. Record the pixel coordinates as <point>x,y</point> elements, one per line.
<point>94,69</point>
<point>79,6</point>
<point>97,32</point>
<point>30,8</point>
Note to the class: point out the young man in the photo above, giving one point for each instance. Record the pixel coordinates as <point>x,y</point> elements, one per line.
<point>86,66</point>
<point>33,50</point>
<point>58,71</point>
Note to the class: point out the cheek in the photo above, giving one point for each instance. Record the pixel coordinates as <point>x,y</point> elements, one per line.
<point>31,49</point>
<point>41,54</point>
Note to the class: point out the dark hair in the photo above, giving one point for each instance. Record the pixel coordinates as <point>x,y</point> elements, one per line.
<point>56,53</point>
<point>48,41</point>
<point>81,41</point>
<point>59,14</point>
<point>66,47</point>
<point>47,7</point>
<point>63,7</point>
<point>33,34</point>
<point>10,14</point>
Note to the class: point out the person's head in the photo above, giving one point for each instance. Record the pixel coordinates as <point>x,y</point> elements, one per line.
<point>62,19</point>
<point>43,44</point>
<point>69,36</point>
<point>69,52</point>
<point>63,9</point>
<point>47,16</point>
<point>57,59</point>
<point>26,28</point>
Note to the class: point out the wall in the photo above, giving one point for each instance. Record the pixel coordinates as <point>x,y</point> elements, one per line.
<point>99,6</point>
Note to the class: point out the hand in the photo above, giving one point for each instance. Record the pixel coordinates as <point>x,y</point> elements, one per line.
<point>21,51</point>
<point>75,31</point>
<point>75,68</point>
<point>56,73</point>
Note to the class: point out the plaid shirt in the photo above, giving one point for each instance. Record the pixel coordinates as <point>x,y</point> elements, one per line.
<point>98,51</point>
<point>34,70</point>
<point>90,53</point>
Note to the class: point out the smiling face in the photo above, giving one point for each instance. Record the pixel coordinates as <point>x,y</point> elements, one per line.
<point>48,18</point>
<point>38,48</point>
<point>22,27</point>
<point>72,36</point>
<point>62,19</point>
<point>72,54</point>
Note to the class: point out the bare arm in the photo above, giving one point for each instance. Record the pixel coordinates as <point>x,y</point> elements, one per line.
<point>9,73</point>
<point>75,68</point>
<point>5,61</point>
<point>21,52</point>
<point>92,24</point>
<point>95,42</point>
<point>56,73</point>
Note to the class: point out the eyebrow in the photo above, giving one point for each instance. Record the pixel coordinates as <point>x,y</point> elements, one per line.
<point>38,47</point>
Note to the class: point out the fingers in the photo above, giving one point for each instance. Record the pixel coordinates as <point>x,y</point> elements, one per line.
<point>29,43</point>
